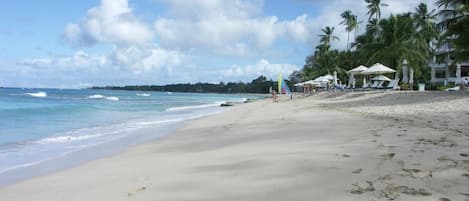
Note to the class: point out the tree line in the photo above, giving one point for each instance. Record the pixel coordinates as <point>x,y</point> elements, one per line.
<point>258,85</point>
<point>414,36</point>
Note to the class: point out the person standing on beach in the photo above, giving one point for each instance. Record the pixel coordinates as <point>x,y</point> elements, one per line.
<point>274,96</point>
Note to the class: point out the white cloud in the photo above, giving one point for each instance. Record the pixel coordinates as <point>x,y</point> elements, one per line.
<point>141,60</point>
<point>110,22</point>
<point>226,27</point>
<point>131,59</point>
<point>79,60</point>
<point>133,65</point>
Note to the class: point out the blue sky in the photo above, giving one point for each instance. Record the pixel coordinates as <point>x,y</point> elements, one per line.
<point>72,44</point>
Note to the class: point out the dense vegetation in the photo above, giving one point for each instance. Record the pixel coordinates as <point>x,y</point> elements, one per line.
<point>258,85</point>
<point>414,36</point>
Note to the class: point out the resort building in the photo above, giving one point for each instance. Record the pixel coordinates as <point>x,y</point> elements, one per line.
<point>442,70</point>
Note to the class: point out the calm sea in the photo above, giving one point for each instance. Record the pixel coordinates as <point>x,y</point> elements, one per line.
<point>41,127</point>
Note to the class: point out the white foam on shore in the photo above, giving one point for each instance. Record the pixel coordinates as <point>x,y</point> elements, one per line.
<point>39,94</point>
<point>21,166</point>
<point>99,96</point>
<point>112,98</point>
<point>62,139</point>
<point>191,107</point>
<point>96,96</point>
<point>143,94</point>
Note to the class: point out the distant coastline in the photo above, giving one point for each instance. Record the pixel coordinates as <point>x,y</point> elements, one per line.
<point>259,85</point>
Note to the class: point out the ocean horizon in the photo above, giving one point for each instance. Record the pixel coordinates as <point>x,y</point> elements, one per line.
<point>44,130</point>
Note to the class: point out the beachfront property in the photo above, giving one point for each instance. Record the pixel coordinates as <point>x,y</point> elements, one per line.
<point>442,70</point>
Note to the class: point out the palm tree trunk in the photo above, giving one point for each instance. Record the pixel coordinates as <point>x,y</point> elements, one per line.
<point>348,38</point>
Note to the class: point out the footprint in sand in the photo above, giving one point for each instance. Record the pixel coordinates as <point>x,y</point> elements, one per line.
<point>357,171</point>
<point>392,192</point>
<point>443,199</point>
<point>400,135</point>
<point>416,173</point>
<point>136,191</point>
<point>357,189</point>
<point>448,159</point>
<point>385,178</point>
<point>388,156</point>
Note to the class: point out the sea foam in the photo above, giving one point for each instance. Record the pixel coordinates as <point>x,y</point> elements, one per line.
<point>112,98</point>
<point>62,139</point>
<point>96,96</point>
<point>99,96</point>
<point>191,107</point>
<point>143,94</point>
<point>40,94</point>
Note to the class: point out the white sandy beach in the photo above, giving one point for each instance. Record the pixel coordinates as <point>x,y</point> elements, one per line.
<point>332,146</point>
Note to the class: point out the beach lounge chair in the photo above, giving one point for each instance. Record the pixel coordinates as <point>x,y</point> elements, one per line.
<point>380,84</point>
<point>375,84</point>
<point>393,84</point>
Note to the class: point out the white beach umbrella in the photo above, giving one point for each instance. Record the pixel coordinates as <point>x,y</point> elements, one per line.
<point>321,79</point>
<point>381,78</point>
<point>300,84</point>
<point>312,82</point>
<point>411,76</point>
<point>357,69</point>
<point>458,73</point>
<point>378,68</point>
<point>328,77</point>
<point>405,77</point>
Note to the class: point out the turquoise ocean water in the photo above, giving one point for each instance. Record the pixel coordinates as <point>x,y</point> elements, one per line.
<point>46,126</point>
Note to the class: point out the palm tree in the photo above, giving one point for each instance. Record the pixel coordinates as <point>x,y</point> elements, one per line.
<point>398,40</point>
<point>425,22</point>
<point>327,37</point>
<point>374,8</point>
<point>455,22</point>
<point>350,22</point>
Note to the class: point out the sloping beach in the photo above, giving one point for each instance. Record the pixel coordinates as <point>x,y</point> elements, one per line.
<point>329,146</point>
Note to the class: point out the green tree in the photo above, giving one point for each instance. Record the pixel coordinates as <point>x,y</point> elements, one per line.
<point>425,22</point>
<point>351,23</point>
<point>455,22</point>
<point>374,8</point>
<point>398,40</point>
<point>325,39</point>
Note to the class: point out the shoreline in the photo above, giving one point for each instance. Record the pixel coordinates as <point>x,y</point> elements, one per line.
<point>312,147</point>
<point>75,158</point>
